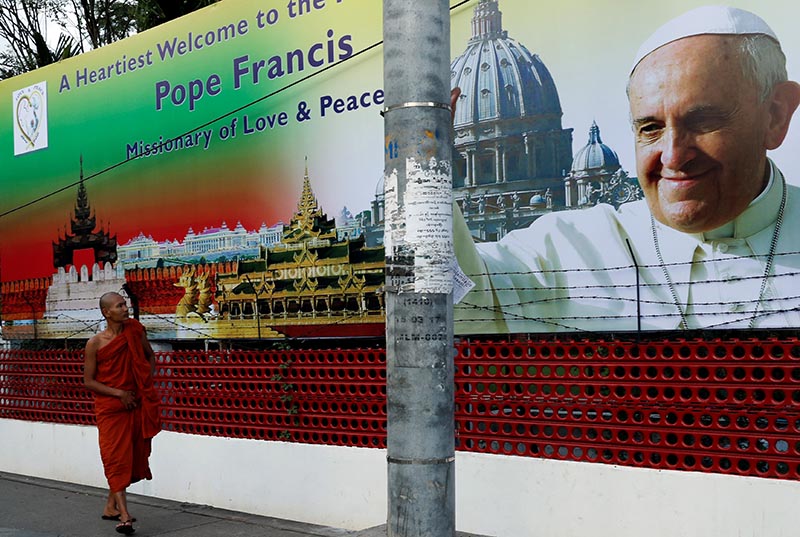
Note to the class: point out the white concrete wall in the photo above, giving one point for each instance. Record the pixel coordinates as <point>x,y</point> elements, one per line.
<point>513,497</point>
<point>495,495</point>
<point>333,486</point>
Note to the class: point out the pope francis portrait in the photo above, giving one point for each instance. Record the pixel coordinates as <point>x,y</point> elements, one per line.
<point>715,242</point>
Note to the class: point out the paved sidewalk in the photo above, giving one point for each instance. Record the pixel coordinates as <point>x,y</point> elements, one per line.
<point>33,507</point>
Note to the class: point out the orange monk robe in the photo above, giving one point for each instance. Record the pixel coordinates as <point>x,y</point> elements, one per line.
<point>125,435</point>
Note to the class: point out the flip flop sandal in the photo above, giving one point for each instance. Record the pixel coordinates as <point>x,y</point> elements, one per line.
<point>125,528</point>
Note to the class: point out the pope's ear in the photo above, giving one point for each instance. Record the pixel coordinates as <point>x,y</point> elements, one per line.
<point>782,103</point>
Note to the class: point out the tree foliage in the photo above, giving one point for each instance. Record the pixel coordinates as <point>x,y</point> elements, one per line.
<point>151,13</point>
<point>101,22</point>
<point>83,25</point>
<point>23,25</point>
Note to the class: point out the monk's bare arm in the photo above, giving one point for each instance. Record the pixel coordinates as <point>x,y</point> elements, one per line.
<point>90,371</point>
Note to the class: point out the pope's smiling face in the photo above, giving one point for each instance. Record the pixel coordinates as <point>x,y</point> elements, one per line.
<point>701,132</point>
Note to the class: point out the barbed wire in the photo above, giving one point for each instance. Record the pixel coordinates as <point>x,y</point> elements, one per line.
<point>575,287</point>
<point>564,294</point>
<point>54,319</point>
<point>562,320</point>
<point>538,270</point>
<point>633,300</point>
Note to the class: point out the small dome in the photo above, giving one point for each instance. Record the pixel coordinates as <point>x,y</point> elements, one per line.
<point>538,199</point>
<point>500,78</point>
<point>595,158</point>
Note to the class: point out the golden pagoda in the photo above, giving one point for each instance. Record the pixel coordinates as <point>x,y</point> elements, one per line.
<point>310,278</point>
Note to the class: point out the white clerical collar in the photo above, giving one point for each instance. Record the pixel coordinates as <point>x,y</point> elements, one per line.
<point>761,212</point>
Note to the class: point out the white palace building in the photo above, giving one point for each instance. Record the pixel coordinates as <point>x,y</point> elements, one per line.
<point>215,243</point>
<point>212,243</point>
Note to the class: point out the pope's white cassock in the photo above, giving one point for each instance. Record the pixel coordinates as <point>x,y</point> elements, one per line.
<point>574,271</point>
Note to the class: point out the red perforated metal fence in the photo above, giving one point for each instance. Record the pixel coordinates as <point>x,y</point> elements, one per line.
<point>44,386</point>
<point>316,397</point>
<point>715,406</point>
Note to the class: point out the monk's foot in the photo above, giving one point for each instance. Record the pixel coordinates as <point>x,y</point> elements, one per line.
<point>126,528</point>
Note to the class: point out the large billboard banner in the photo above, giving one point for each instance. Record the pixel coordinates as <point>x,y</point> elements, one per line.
<point>225,171</point>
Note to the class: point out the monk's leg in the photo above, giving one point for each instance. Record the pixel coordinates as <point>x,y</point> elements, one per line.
<point>125,525</point>
<point>122,504</point>
<point>111,506</point>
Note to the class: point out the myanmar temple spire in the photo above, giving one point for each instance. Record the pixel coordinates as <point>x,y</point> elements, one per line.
<point>82,224</point>
<point>309,220</point>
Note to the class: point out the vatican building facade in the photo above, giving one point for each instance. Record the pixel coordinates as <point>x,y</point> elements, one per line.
<point>512,157</point>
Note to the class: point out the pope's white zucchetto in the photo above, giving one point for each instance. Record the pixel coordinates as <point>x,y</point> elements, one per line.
<point>720,20</point>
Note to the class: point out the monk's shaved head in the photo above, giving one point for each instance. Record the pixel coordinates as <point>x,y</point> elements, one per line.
<point>108,299</point>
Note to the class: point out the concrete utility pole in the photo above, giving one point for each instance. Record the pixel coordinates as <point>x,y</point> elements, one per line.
<point>419,252</point>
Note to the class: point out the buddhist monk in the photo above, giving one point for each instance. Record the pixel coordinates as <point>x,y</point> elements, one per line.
<point>119,365</point>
